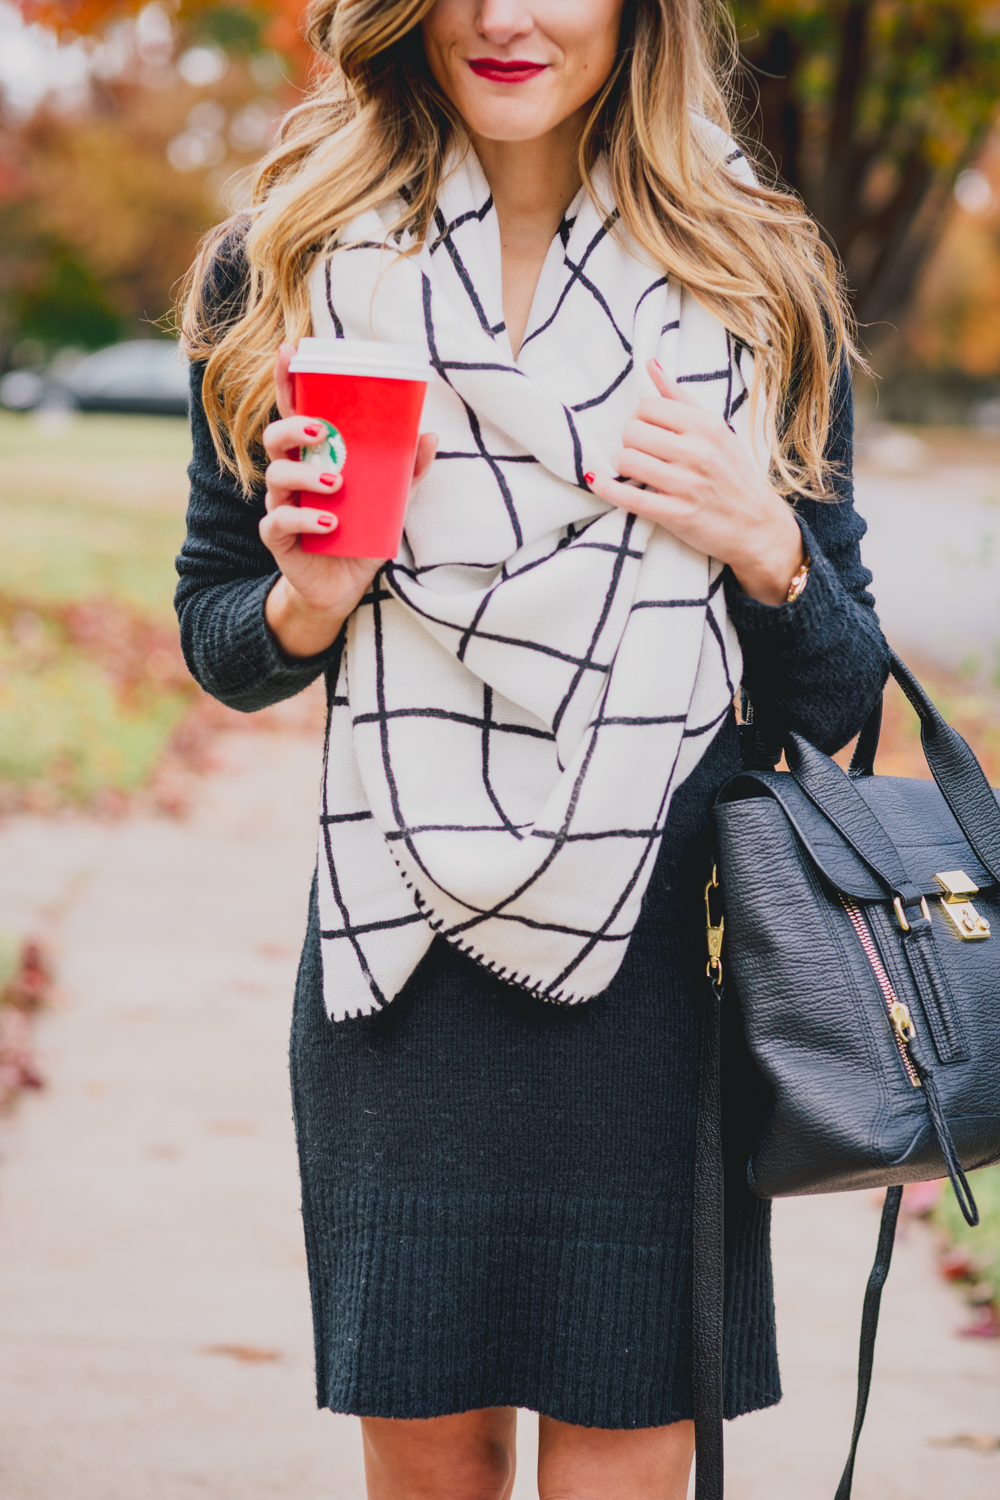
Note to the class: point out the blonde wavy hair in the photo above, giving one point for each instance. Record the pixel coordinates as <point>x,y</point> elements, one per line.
<point>376,125</point>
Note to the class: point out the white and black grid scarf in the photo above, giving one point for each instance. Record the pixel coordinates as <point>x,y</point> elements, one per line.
<point>528,683</point>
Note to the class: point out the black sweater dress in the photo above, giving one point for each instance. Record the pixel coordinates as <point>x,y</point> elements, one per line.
<point>496,1189</point>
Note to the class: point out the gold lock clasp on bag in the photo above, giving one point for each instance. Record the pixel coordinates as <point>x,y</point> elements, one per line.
<point>962,916</point>
<point>713,930</point>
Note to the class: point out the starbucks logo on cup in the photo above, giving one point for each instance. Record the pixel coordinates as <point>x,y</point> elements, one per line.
<point>329,454</point>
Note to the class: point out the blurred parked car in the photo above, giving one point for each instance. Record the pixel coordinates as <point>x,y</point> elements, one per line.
<point>144,375</point>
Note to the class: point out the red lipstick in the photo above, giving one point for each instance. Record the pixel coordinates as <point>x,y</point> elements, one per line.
<point>506,70</point>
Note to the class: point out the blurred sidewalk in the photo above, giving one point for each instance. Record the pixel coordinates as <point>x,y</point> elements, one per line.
<point>930,1387</point>
<point>155,1340</point>
<point>933,510</point>
<point>154,1319</point>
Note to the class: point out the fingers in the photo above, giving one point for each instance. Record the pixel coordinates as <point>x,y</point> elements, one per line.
<point>283,381</point>
<point>674,409</point>
<point>291,431</point>
<point>290,434</point>
<point>660,507</point>
<point>676,475</point>
<point>426,449</point>
<point>281,526</point>
<point>661,442</point>
<point>668,387</point>
<point>678,415</point>
<point>284,476</point>
<point>666,460</point>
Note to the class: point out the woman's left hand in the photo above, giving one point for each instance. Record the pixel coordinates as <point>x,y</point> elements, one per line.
<point>703,487</point>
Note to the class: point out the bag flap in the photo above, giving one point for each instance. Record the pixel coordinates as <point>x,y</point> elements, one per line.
<point>913,813</point>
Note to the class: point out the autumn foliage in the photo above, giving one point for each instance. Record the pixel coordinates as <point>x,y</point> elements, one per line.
<point>25,989</point>
<point>99,220</point>
<point>867,108</point>
<point>280,20</point>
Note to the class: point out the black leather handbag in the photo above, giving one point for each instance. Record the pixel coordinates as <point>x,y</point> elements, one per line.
<point>858,918</point>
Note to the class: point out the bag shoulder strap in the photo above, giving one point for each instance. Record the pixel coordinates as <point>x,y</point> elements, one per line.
<point>869,1327</point>
<point>708,1271</point>
<point>708,1259</point>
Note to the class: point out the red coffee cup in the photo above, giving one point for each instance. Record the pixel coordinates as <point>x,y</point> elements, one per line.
<point>370,396</point>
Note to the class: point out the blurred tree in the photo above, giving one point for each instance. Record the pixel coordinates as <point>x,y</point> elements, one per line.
<point>869,109</point>
<point>103,185</point>
<point>102,206</point>
<point>101,226</point>
<point>236,25</point>
<point>955,323</point>
<point>66,305</point>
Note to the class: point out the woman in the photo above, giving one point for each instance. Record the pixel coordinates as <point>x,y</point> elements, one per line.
<point>643,477</point>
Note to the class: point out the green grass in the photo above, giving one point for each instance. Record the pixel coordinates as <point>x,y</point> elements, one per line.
<point>11,944</point>
<point>92,509</point>
<point>91,512</point>
<point>65,725</point>
<point>984,1240</point>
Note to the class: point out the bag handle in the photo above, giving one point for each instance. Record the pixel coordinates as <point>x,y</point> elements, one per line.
<point>952,764</point>
<point>840,802</point>
<point>866,748</point>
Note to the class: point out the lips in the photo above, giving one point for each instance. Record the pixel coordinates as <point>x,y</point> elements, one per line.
<point>506,70</point>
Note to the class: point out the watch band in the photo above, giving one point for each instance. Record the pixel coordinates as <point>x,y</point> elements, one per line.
<point>799,580</point>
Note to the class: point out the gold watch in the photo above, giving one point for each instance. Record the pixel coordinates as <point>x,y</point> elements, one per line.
<point>799,580</point>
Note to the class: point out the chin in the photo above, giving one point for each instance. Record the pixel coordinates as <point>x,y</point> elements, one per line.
<point>510,133</point>
<point>508,122</point>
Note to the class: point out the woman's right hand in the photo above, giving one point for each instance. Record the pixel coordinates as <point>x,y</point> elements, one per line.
<point>315,594</point>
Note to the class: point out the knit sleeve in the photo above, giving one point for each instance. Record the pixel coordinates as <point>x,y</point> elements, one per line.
<point>226,572</point>
<point>818,665</point>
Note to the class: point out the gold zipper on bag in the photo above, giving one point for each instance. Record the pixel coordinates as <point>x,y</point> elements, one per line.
<point>899,1014</point>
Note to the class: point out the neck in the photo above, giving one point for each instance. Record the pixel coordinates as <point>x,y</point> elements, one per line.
<point>532,182</point>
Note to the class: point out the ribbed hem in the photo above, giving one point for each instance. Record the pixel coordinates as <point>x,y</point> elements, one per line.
<point>579,1309</point>
<point>750,1359</point>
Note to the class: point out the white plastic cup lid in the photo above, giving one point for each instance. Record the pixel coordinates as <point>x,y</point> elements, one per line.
<point>369,357</point>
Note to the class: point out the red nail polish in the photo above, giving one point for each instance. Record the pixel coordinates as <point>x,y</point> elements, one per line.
<point>590,478</point>
<point>325,519</point>
<point>328,479</point>
<point>662,371</point>
<point>311,431</point>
